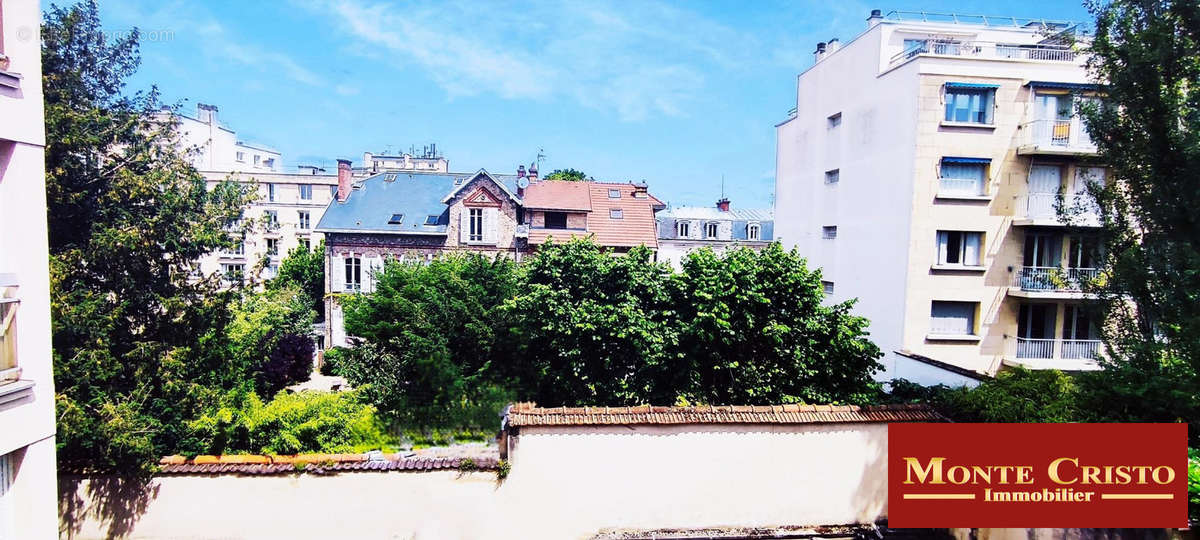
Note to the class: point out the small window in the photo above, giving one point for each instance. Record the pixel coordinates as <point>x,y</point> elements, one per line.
<point>304,242</point>
<point>829,232</point>
<point>306,192</point>
<point>614,194</point>
<point>431,220</point>
<point>835,120</point>
<point>959,248</point>
<point>272,246</point>
<point>615,213</point>
<point>304,219</point>
<point>963,176</point>
<point>682,229</point>
<point>389,177</point>
<point>971,105</point>
<point>827,286</point>
<point>753,231</point>
<point>271,192</point>
<point>396,219</point>
<point>556,220</point>
<point>952,318</point>
<point>832,176</point>
<point>241,157</point>
<point>257,160</point>
<point>272,219</point>
<point>710,230</point>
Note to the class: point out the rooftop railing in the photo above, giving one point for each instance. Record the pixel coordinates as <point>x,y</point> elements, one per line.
<point>987,49</point>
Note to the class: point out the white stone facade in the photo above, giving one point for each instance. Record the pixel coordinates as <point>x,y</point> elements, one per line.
<point>215,147</point>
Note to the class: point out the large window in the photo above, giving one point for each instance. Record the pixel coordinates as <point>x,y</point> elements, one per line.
<point>959,248</point>
<point>952,318</point>
<point>233,272</point>
<point>969,103</point>
<point>556,220</point>
<point>476,224</point>
<point>353,274</point>
<point>963,176</point>
<point>304,219</point>
<point>306,192</point>
<point>272,246</point>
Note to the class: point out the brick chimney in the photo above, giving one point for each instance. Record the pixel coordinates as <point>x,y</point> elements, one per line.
<point>533,172</point>
<point>520,171</point>
<point>343,179</point>
<point>723,204</point>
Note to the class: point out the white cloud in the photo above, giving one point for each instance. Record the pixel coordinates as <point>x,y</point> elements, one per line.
<point>346,90</point>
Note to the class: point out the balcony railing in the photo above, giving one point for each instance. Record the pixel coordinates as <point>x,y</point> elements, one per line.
<point>1053,278</point>
<point>1057,136</point>
<point>1048,349</point>
<point>1044,206</point>
<point>986,49</point>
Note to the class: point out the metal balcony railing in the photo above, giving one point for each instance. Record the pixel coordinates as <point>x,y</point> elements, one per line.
<point>1057,135</point>
<point>1049,349</point>
<point>1087,349</point>
<point>1053,278</point>
<point>986,49</point>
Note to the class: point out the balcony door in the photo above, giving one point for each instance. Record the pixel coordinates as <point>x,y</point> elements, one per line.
<point>1053,117</point>
<point>1035,330</point>
<point>1080,338</point>
<point>1045,181</point>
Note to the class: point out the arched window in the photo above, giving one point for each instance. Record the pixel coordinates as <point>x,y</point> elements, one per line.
<point>752,231</point>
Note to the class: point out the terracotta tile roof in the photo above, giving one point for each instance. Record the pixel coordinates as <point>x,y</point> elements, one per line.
<point>528,414</point>
<point>558,195</point>
<point>635,227</point>
<point>317,463</point>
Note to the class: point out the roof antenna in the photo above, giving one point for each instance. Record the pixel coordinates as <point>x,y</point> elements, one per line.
<point>722,185</point>
<point>541,157</point>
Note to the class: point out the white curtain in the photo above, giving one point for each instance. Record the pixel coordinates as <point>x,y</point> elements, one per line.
<point>971,245</point>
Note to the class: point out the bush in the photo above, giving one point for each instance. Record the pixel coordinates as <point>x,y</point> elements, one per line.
<point>1016,395</point>
<point>290,361</point>
<point>290,424</point>
<point>1194,484</point>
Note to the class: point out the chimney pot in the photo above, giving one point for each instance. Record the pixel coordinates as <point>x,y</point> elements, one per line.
<point>533,172</point>
<point>520,171</point>
<point>343,179</point>
<point>820,52</point>
<point>723,204</point>
<point>875,18</point>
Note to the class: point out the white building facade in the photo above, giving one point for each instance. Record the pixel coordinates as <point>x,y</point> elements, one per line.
<point>684,229</point>
<point>216,147</point>
<point>28,487</point>
<point>426,160</point>
<point>920,171</point>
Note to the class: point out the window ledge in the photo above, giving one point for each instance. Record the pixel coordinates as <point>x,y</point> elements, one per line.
<point>952,337</point>
<point>15,390</point>
<point>957,197</point>
<point>957,268</point>
<point>10,79</point>
<point>947,123</point>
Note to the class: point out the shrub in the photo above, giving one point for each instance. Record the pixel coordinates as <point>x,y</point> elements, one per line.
<point>1016,395</point>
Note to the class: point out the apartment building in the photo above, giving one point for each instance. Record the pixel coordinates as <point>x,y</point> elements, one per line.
<point>426,159</point>
<point>216,147</point>
<point>28,503</point>
<point>684,229</point>
<point>921,168</point>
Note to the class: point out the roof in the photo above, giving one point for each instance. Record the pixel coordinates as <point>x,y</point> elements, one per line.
<point>375,199</point>
<point>323,463</point>
<point>712,213</point>
<point>528,414</point>
<point>558,195</point>
<point>635,227</point>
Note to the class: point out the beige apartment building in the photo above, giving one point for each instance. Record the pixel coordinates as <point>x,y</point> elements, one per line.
<point>921,169</point>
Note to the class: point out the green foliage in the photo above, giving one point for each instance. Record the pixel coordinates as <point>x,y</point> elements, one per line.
<point>503,467</point>
<point>290,424</point>
<point>1194,484</point>
<point>138,347</point>
<point>1144,54</point>
<point>429,336</point>
<point>262,324</point>
<point>304,270</point>
<point>1015,395</point>
<point>569,175</point>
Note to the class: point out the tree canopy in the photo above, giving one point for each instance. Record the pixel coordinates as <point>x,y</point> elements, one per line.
<point>570,175</point>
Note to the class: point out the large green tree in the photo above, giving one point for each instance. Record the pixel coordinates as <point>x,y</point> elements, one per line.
<point>138,343</point>
<point>569,175</point>
<point>304,270</point>
<point>1146,61</point>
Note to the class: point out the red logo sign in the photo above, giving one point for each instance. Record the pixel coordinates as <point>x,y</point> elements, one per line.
<point>1037,475</point>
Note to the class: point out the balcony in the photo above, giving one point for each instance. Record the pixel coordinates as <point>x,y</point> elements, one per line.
<point>1064,354</point>
<point>1041,209</point>
<point>1052,281</point>
<point>985,50</point>
<point>1055,138</point>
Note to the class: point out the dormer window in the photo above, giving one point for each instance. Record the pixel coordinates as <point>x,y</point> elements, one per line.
<point>615,213</point>
<point>396,219</point>
<point>431,220</point>
<point>389,177</point>
<point>614,194</point>
<point>753,231</point>
<point>682,230</point>
<point>710,230</point>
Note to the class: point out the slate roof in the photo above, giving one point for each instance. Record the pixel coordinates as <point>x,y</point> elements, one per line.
<point>528,414</point>
<point>375,199</point>
<point>711,213</point>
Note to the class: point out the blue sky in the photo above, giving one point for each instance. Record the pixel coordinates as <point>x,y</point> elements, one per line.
<point>678,94</point>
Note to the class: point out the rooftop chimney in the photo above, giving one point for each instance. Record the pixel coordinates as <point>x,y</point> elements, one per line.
<point>533,172</point>
<point>832,46</point>
<point>206,113</point>
<point>875,18</point>
<point>343,179</point>
<point>520,171</point>
<point>820,52</point>
<point>723,204</point>
<point>641,189</point>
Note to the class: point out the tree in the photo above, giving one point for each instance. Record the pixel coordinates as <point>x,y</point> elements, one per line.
<point>304,269</point>
<point>1146,61</point>
<point>138,346</point>
<point>569,175</point>
<point>754,329</point>
<point>269,338</point>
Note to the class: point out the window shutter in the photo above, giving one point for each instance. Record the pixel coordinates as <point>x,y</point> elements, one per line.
<point>464,225</point>
<point>953,318</point>
<point>943,238</point>
<point>491,225</point>
<point>337,280</point>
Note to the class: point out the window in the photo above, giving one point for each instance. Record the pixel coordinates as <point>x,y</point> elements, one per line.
<point>476,223</point>
<point>969,104</point>
<point>271,192</point>
<point>241,157</point>
<point>963,176</point>
<point>832,177</point>
<point>306,192</point>
<point>753,231</point>
<point>834,120</point>
<point>389,177</point>
<point>9,302</point>
<point>431,220</point>
<point>615,213</point>
<point>272,246</point>
<point>269,163</point>
<point>396,219</point>
<point>829,232</point>
<point>272,219</point>
<point>827,286</point>
<point>614,194</point>
<point>304,242</point>
<point>913,47</point>
<point>304,219</point>
<point>353,274</point>
<point>271,271</point>
<point>959,248</point>
<point>233,271</point>
<point>952,318</point>
<point>710,230</point>
<point>257,160</point>
<point>238,249</point>
<point>682,230</point>
<point>556,220</point>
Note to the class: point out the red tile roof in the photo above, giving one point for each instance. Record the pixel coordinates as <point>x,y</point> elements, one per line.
<point>558,195</point>
<point>635,227</point>
<point>318,463</point>
<point>528,414</point>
